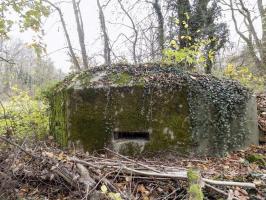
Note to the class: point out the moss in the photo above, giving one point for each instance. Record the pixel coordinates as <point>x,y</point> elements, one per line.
<point>121,78</point>
<point>257,158</point>
<point>193,176</point>
<point>129,109</point>
<point>195,192</point>
<point>88,118</point>
<point>130,149</point>
<point>182,111</point>
<point>85,79</point>
<point>140,81</point>
<point>95,113</point>
<point>57,120</point>
<point>168,116</point>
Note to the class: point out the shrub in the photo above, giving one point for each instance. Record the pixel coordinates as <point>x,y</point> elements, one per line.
<point>245,77</point>
<point>23,115</point>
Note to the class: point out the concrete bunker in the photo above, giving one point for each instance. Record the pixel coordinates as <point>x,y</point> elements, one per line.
<point>152,108</point>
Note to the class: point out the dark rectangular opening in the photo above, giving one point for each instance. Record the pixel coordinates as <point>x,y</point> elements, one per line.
<point>131,135</point>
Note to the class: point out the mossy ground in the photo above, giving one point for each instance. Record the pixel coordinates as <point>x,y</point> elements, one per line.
<point>257,158</point>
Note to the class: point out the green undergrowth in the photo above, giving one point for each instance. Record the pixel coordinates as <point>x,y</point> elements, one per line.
<point>257,159</point>
<point>23,115</point>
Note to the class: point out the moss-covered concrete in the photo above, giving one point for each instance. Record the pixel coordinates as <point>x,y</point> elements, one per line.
<point>87,118</point>
<point>95,113</point>
<point>58,117</point>
<point>181,112</point>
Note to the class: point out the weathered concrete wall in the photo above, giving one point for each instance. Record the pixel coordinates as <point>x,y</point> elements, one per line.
<point>94,114</point>
<point>252,121</point>
<point>194,115</point>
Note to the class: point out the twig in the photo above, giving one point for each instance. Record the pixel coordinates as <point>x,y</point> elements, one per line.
<point>7,61</point>
<point>216,189</point>
<point>65,176</point>
<point>165,198</point>
<point>99,181</point>
<point>230,183</point>
<point>85,176</point>
<point>183,175</point>
<point>84,163</point>
<point>16,145</point>
<point>128,159</point>
<point>104,180</point>
<point>180,175</point>
<point>220,191</point>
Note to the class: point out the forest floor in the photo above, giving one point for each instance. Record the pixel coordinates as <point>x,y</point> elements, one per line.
<point>43,171</point>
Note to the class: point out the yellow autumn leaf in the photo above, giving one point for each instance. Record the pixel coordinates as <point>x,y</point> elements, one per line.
<point>104,189</point>
<point>187,16</point>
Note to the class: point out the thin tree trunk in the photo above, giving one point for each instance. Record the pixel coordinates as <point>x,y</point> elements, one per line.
<point>134,43</point>
<point>160,20</point>
<point>249,43</point>
<point>71,51</point>
<point>262,10</point>
<point>247,15</point>
<point>80,34</point>
<point>107,49</point>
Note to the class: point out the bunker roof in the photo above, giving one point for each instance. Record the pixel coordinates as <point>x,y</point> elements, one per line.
<point>147,75</point>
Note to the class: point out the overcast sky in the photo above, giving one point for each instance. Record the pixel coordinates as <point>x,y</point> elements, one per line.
<point>55,40</point>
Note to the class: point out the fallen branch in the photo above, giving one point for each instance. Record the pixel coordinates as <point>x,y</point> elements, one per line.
<point>179,175</point>
<point>85,177</point>
<point>183,175</point>
<point>230,183</point>
<point>97,184</point>
<point>220,191</point>
<point>84,163</point>
<point>16,145</point>
<point>133,161</point>
<point>65,176</point>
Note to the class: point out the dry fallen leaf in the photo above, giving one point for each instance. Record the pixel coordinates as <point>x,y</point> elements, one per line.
<point>48,154</point>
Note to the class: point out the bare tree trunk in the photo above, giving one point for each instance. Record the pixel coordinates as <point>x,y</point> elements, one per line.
<point>134,43</point>
<point>70,47</point>
<point>248,41</point>
<point>246,13</point>
<point>107,49</point>
<point>160,20</point>
<point>262,10</point>
<point>80,34</point>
